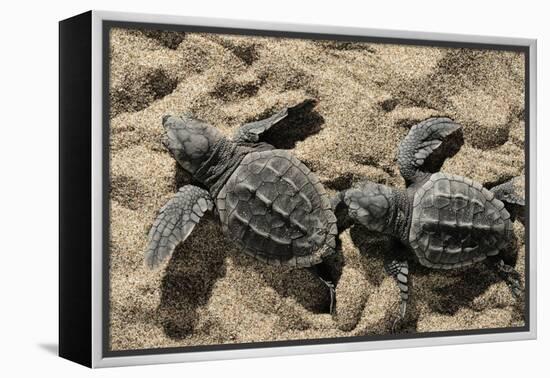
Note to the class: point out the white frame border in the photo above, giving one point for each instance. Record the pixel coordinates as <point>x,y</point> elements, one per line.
<point>97,187</point>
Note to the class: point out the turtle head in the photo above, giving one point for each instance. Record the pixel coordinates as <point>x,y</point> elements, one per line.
<point>370,205</point>
<point>189,140</point>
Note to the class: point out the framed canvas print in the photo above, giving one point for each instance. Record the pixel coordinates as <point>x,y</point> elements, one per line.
<point>233,189</point>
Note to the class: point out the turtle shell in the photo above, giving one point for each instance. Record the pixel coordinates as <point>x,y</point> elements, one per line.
<point>456,222</point>
<point>276,210</point>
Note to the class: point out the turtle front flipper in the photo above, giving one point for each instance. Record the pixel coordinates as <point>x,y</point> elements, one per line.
<point>512,191</point>
<point>399,270</point>
<point>250,132</point>
<point>422,139</point>
<point>175,221</point>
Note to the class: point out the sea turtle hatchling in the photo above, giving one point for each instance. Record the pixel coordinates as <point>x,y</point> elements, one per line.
<point>446,221</point>
<point>268,202</point>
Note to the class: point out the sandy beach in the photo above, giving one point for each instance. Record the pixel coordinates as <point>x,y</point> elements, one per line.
<point>367,97</point>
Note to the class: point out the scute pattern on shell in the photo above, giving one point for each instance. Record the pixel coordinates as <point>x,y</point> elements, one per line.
<point>456,222</point>
<point>276,210</point>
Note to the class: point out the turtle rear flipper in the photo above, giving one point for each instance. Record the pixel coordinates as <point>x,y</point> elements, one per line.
<point>340,208</point>
<point>509,275</point>
<point>175,222</point>
<point>422,139</point>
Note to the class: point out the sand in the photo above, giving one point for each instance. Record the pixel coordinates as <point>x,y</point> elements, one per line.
<point>368,96</point>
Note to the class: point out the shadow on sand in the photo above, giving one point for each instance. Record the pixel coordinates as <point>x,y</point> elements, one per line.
<point>193,270</point>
